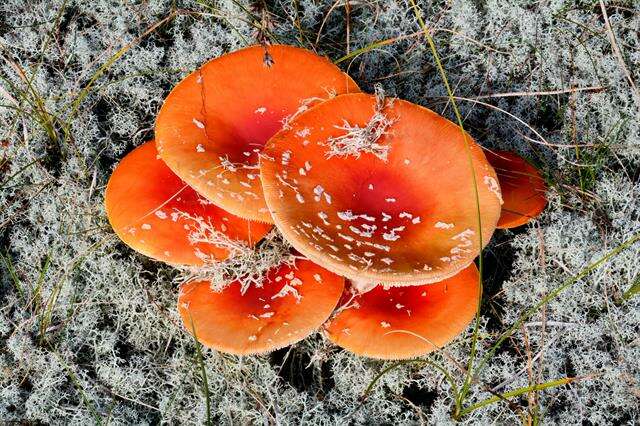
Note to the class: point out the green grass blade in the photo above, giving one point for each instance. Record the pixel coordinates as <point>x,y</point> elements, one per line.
<point>395,365</point>
<point>633,290</point>
<point>76,383</point>
<point>203,372</point>
<point>38,288</point>
<point>6,259</point>
<point>445,80</point>
<point>552,295</point>
<point>517,392</point>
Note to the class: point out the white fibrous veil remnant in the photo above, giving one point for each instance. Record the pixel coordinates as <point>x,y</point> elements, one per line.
<point>245,264</point>
<point>358,140</point>
<point>305,104</point>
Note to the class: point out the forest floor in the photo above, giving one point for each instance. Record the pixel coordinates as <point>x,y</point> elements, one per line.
<point>89,331</point>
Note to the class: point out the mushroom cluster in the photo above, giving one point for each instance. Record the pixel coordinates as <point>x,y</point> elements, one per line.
<point>380,208</point>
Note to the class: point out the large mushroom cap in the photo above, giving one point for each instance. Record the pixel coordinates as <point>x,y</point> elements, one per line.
<point>406,322</point>
<point>215,122</point>
<point>523,189</point>
<point>398,210</point>
<point>292,302</point>
<point>154,212</point>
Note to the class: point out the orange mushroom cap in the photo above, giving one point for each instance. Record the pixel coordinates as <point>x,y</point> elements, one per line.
<point>406,322</point>
<point>215,122</point>
<point>402,212</point>
<point>292,302</point>
<point>154,212</point>
<point>523,189</point>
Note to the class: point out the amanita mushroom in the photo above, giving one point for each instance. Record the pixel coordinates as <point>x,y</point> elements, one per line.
<point>406,322</point>
<point>215,122</point>
<point>523,190</point>
<point>156,213</point>
<point>380,192</point>
<point>292,302</point>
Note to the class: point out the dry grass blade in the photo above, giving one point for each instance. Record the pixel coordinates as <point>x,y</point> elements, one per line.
<point>618,53</point>
<point>594,89</point>
<point>334,6</point>
<point>541,139</point>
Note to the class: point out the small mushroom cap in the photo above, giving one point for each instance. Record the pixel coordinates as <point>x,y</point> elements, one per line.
<point>409,219</point>
<point>292,303</point>
<point>144,200</point>
<point>523,189</point>
<point>215,122</point>
<point>406,322</point>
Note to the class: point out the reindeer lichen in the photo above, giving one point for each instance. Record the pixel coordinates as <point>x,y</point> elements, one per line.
<point>113,321</point>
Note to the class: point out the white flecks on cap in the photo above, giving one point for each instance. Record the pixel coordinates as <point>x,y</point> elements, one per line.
<point>324,217</point>
<point>493,186</point>
<point>318,190</point>
<point>444,225</point>
<point>285,158</point>
<point>391,235</point>
<point>287,289</point>
<point>303,133</point>
<point>345,237</point>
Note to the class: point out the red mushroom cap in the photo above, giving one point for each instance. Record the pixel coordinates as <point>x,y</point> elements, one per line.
<point>409,321</point>
<point>523,189</point>
<point>215,122</point>
<point>292,302</point>
<point>154,212</point>
<point>402,210</point>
